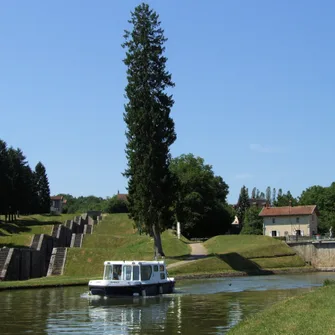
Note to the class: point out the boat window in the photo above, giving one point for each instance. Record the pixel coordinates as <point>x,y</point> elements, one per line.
<point>146,271</point>
<point>136,272</point>
<point>127,272</point>
<point>108,272</point>
<point>155,268</point>
<point>161,268</point>
<point>117,271</point>
<point>162,275</point>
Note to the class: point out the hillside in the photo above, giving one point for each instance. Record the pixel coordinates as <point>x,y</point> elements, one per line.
<point>115,238</point>
<point>250,254</point>
<point>19,234</point>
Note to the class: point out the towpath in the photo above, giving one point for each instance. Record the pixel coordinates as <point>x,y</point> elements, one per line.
<point>197,251</point>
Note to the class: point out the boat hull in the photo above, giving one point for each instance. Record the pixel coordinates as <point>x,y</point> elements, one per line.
<point>133,290</point>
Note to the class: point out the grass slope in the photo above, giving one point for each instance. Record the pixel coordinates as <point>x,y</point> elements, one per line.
<point>19,234</point>
<point>311,313</point>
<point>248,246</point>
<point>242,253</point>
<point>116,239</point>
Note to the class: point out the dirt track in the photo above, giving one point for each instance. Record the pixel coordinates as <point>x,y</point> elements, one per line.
<point>197,251</point>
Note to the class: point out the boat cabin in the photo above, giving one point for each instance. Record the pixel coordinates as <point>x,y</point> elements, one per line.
<point>134,270</point>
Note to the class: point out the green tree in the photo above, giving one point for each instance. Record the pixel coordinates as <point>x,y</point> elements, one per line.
<point>274,197</point>
<point>115,205</point>
<point>324,199</point>
<point>200,205</point>
<point>43,189</point>
<point>253,223</point>
<point>243,204</point>
<point>286,200</point>
<point>4,178</point>
<point>268,195</point>
<point>150,129</point>
<point>253,193</point>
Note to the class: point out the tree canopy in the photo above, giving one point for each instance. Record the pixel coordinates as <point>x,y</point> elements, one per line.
<point>20,188</point>
<point>200,204</point>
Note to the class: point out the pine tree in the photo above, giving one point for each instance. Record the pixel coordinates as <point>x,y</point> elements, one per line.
<point>268,194</point>
<point>150,129</point>
<point>253,193</point>
<point>42,188</point>
<point>274,196</point>
<point>243,204</point>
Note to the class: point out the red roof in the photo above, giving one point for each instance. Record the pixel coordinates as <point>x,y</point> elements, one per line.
<point>121,196</point>
<point>56,197</point>
<point>288,210</point>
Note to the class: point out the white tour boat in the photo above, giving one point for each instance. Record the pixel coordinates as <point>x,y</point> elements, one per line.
<point>133,278</point>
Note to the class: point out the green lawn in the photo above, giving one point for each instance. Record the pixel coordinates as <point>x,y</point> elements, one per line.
<point>116,239</point>
<point>20,233</point>
<point>248,246</point>
<point>312,313</point>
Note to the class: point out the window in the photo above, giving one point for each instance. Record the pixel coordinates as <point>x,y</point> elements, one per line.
<point>273,220</point>
<point>298,232</point>
<point>161,268</point>
<point>136,272</point>
<point>146,271</point>
<point>127,272</point>
<point>108,272</point>
<point>162,275</point>
<point>297,220</point>
<point>274,233</point>
<point>117,272</point>
<point>155,268</point>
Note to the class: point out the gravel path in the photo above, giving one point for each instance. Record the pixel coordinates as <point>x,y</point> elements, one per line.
<point>197,251</point>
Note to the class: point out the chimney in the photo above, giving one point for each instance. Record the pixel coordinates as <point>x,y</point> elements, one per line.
<point>118,192</point>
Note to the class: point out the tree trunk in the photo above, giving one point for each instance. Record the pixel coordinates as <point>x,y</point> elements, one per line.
<point>158,248</point>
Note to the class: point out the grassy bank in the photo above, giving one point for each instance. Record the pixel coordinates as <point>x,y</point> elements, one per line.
<point>250,254</point>
<point>311,313</point>
<point>115,238</point>
<point>18,234</point>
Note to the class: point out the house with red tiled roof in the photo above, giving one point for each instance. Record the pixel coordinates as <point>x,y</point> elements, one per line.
<point>122,196</point>
<point>290,220</point>
<point>57,203</point>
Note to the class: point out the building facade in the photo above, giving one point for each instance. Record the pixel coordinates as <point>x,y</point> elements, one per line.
<point>288,220</point>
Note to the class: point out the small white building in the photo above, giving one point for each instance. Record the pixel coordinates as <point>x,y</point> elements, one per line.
<point>288,220</point>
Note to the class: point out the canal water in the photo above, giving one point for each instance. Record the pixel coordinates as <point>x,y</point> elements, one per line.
<point>209,306</point>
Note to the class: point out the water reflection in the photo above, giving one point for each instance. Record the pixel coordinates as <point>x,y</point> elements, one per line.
<point>198,307</point>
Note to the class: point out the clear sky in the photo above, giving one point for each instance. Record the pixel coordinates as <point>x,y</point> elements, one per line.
<point>254,91</point>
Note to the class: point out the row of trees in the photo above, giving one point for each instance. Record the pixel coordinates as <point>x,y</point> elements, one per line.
<point>322,197</point>
<point>22,190</point>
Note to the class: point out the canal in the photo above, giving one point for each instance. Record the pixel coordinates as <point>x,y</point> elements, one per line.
<point>209,306</point>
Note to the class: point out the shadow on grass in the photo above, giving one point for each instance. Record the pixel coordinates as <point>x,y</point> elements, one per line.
<point>13,245</point>
<point>242,264</point>
<point>22,226</point>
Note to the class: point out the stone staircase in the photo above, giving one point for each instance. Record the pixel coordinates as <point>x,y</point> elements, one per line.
<point>57,261</point>
<point>4,253</point>
<point>77,240</point>
<point>35,242</point>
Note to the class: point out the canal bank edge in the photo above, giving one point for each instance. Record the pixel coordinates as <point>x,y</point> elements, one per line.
<point>84,282</point>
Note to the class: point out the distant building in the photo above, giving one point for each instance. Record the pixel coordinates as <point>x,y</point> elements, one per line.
<point>122,196</point>
<point>257,202</point>
<point>288,220</point>
<point>57,203</point>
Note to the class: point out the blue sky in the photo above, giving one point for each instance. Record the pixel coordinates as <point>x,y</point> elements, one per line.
<point>254,91</point>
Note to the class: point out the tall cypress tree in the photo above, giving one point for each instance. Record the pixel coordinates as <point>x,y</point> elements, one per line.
<point>42,187</point>
<point>243,204</point>
<point>150,129</point>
